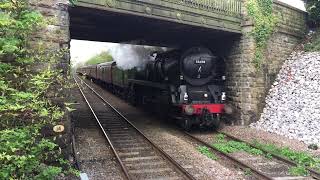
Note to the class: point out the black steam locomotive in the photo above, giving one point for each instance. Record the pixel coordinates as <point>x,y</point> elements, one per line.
<point>187,85</point>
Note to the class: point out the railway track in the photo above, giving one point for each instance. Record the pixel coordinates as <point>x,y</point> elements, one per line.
<point>138,156</point>
<point>261,167</point>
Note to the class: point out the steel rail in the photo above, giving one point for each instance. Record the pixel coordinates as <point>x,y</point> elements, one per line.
<point>125,171</point>
<point>312,172</point>
<point>242,164</point>
<point>170,159</point>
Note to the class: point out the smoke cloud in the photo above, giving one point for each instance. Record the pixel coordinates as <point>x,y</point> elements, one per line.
<point>133,56</point>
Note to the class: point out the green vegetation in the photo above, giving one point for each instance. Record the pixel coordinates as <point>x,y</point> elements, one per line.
<point>23,152</point>
<point>303,159</point>
<point>313,146</point>
<point>233,146</point>
<point>247,172</point>
<point>25,101</point>
<point>298,171</point>
<point>100,58</point>
<point>313,7</point>
<point>72,2</point>
<point>314,43</point>
<point>265,22</point>
<point>205,151</point>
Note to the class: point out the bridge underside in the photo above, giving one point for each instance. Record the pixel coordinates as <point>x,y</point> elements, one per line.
<point>106,26</point>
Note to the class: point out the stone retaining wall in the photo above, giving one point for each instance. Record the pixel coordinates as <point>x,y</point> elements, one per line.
<point>247,87</point>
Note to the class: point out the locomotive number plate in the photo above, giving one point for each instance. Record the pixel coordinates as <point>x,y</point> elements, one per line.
<point>200,62</point>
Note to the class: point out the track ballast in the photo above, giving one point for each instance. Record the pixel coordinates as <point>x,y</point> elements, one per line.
<point>138,156</point>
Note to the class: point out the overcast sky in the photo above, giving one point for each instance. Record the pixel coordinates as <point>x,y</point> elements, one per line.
<point>295,3</point>
<point>83,50</point>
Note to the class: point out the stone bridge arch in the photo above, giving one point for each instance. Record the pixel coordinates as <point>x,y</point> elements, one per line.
<point>226,29</point>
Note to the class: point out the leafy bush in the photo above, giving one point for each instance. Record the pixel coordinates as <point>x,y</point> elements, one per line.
<point>100,58</point>
<point>25,101</point>
<point>24,155</point>
<point>313,7</point>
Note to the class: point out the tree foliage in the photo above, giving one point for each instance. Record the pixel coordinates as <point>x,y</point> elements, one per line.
<point>313,7</point>
<point>100,58</point>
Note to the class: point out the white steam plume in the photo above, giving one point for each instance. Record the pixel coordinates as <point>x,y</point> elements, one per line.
<point>132,56</point>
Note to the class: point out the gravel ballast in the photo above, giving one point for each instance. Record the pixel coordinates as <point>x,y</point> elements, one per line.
<point>172,141</point>
<point>293,104</point>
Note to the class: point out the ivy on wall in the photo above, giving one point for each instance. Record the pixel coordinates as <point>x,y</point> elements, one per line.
<point>25,101</point>
<point>261,12</point>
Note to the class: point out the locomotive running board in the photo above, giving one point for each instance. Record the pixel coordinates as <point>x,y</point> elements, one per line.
<point>149,84</point>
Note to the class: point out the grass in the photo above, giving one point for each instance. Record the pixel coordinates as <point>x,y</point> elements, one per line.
<point>298,171</point>
<point>205,151</point>
<point>303,159</point>
<point>247,172</point>
<point>233,146</point>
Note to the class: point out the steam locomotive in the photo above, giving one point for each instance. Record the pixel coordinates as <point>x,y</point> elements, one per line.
<point>187,85</point>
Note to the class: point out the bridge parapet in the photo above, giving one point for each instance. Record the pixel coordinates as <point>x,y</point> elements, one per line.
<point>224,15</point>
<point>227,7</point>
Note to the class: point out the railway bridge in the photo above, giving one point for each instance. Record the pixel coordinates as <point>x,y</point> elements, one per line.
<point>222,25</point>
<point>155,22</point>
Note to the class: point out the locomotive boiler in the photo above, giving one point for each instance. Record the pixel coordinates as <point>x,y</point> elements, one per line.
<point>187,85</point>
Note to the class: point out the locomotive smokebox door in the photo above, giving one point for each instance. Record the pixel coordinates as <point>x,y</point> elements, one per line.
<point>198,65</point>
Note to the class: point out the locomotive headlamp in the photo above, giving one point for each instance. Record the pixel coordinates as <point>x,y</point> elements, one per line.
<point>223,96</point>
<point>205,95</point>
<point>189,110</point>
<point>185,97</point>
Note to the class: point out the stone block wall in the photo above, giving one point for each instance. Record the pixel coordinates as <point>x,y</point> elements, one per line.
<point>247,87</point>
<point>55,36</point>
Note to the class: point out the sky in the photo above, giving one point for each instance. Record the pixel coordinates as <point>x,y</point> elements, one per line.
<point>83,50</point>
<point>295,3</point>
